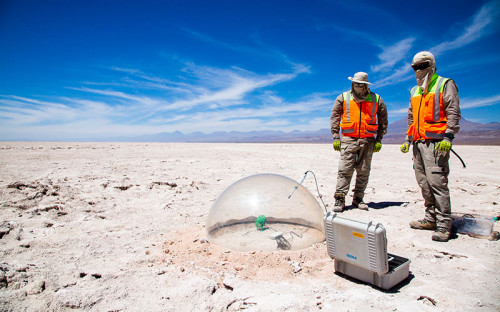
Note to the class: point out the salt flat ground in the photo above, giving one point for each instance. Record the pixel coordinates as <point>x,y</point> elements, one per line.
<point>120,227</point>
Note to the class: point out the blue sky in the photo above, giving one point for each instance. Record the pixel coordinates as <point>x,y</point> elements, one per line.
<point>82,70</point>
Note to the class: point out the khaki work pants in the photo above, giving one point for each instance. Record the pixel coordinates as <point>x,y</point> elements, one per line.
<point>431,170</point>
<point>355,154</point>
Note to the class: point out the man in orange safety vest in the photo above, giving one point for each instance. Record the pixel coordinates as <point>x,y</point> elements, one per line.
<point>433,120</point>
<point>361,116</point>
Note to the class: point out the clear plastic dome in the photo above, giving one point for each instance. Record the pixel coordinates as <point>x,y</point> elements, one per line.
<point>265,212</point>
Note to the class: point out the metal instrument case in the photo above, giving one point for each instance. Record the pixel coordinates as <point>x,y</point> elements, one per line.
<point>360,251</point>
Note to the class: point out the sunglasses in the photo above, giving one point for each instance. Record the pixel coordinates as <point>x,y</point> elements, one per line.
<point>359,85</point>
<point>421,66</point>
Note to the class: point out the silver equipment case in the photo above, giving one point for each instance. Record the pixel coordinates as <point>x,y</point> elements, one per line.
<point>360,251</point>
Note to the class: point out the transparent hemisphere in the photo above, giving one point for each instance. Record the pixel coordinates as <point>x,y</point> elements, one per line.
<point>265,212</point>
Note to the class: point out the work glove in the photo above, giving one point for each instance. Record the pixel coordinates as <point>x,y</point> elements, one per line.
<point>377,146</point>
<point>444,145</point>
<point>336,145</point>
<point>405,147</point>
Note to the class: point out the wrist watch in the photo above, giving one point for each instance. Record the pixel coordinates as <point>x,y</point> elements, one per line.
<point>449,136</point>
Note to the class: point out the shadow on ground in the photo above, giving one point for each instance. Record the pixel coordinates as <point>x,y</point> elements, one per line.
<point>385,204</point>
<point>393,290</point>
<point>379,205</point>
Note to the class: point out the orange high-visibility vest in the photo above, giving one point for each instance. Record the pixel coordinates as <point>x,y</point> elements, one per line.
<point>359,120</point>
<point>429,118</point>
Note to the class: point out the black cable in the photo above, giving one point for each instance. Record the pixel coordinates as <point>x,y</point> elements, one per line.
<point>463,163</point>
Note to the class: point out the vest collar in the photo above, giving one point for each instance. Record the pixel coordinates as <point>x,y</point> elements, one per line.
<point>369,98</point>
<point>431,83</point>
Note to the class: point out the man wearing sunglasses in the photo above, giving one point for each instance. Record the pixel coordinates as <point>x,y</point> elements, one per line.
<point>361,115</point>
<point>433,120</point>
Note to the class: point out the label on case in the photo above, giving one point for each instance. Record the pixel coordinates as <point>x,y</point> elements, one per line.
<point>352,257</point>
<point>359,235</point>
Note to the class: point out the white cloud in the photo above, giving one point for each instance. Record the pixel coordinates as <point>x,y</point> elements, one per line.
<point>260,50</point>
<point>479,26</point>
<point>278,123</point>
<point>204,99</point>
<point>116,94</point>
<point>227,87</point>
<point>207,39</point>
<point>403,73</point>
<point>466,103</point>
<point>399,111</point>
<point>488,14</point>
<point>393,54</point>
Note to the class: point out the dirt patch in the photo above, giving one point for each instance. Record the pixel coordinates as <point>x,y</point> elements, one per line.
<point>190,250</point>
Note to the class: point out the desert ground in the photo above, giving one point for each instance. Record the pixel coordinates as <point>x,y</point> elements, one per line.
<point>121,227</point>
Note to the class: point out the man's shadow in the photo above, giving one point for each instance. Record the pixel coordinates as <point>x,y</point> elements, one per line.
<point>379,205</point>
<point>385,204</point>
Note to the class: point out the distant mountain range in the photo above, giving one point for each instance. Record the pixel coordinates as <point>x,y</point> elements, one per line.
<point>470,133</point>
<point>266,136</point>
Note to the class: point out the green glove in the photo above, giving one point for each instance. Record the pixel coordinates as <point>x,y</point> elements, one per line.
<point>336,145</point>
<point>444,145</point>
<point>377,146</point>
<point>405,147</point>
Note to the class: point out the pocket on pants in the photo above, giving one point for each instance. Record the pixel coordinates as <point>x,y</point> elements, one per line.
<point>442,166</point>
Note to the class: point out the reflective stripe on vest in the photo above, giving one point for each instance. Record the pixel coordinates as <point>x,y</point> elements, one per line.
<point>347,104</point>
<point>374,108</point>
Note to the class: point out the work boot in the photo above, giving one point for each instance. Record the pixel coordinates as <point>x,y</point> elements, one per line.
<point>359,203</point>
<point>441,235</point>
<point>423,225</point>
<point>339,203</point>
